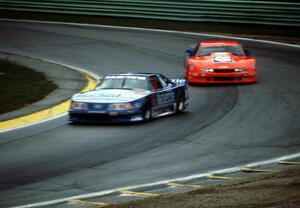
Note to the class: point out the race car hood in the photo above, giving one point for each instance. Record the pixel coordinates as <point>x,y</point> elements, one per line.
<point>110,96</point>
<point>223,60</point>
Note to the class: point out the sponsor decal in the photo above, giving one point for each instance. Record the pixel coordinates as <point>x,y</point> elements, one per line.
<point>125,77</point>
<point>223,59</point>
<point>178,80</point>
<point>165,98</point>
<point>223,67</point>
<point>107,96</point>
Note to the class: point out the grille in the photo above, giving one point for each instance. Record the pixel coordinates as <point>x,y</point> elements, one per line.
<point>224,78</point>
<point>223,70</point>
<point>97,117</point>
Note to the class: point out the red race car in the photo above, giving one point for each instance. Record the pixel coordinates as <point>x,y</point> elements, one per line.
<point>219,61</point>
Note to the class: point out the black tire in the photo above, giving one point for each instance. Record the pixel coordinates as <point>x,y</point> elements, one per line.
<point>147,113</point>
<point>180,102</point>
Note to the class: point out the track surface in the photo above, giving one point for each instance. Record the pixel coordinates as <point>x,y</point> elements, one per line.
<point>225,126</point>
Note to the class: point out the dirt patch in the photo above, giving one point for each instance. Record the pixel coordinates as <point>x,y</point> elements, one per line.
<point>278,190</point>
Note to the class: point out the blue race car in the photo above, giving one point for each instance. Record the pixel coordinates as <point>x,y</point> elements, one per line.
<point>130,97</point>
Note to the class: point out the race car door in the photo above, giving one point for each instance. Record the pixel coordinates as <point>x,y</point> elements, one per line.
<point>165,96</point>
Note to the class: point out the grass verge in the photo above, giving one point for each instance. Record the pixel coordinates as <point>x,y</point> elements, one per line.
<point>21,86</point>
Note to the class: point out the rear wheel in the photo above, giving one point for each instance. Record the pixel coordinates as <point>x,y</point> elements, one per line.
<point>147,114</point>
<point>180,104</point>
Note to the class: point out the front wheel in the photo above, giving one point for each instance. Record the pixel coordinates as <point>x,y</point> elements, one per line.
<point>147,114</point>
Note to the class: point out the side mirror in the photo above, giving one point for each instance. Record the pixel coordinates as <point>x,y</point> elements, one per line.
<point>247,52</point>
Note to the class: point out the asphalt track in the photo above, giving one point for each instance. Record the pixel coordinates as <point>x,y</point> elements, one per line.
<point>225,126</point>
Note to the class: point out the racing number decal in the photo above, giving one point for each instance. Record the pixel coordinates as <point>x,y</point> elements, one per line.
<point>165,97</point>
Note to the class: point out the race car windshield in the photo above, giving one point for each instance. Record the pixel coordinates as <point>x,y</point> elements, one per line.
<point>124,83</point>
<point>206,51</point>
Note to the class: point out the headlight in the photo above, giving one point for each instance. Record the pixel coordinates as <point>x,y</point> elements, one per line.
<point>240,69</point>
<point>120,106</point>
<point>79,105</point>
<point>207,70</point>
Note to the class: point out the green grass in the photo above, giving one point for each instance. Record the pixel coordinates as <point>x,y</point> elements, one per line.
<point>21,86</point>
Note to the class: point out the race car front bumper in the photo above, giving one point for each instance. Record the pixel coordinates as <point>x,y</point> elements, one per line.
<point>221,78</point>
<point>107,117</point>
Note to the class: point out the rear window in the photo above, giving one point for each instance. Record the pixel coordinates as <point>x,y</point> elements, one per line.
<point>206,51</point>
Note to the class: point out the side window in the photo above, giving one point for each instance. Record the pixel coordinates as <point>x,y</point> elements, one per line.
<point>155,82</point>
<point>162,81</point>
<point>166,80</point>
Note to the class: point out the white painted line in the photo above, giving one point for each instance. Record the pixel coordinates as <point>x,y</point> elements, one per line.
<point>288,162</point>
<point>200,175</point>
<point>32,124</point>
<point>151,30</point>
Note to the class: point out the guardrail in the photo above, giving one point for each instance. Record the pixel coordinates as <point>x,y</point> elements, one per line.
<point>237,11</point>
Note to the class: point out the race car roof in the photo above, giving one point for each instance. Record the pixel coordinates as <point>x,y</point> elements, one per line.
<point>145,74</point>
<point>218,43</point>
